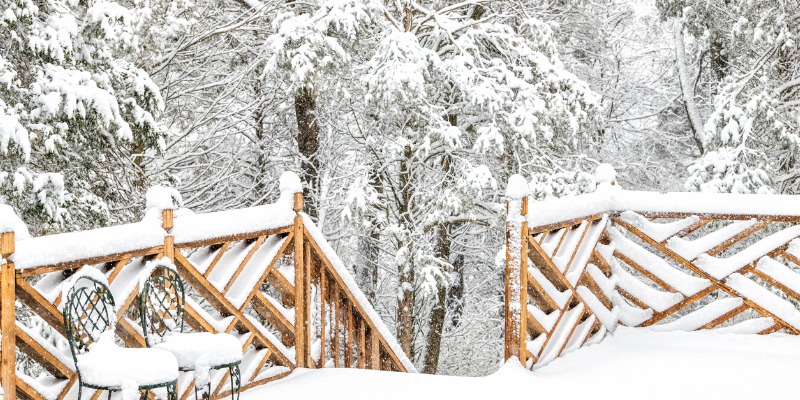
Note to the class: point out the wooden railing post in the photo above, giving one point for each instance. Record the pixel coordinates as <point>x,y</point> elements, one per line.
<point>516,287</point>
<point>301,289</point>
<point>8,346</point>
<point>163,199</point>
<point>168,222</point>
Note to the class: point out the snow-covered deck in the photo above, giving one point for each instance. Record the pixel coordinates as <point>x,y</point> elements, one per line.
<point>632,363</point>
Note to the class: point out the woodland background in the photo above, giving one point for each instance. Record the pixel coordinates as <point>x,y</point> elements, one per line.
<point>404,118</point>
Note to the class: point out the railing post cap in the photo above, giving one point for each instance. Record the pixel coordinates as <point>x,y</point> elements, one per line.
<point>290,183</point>
<point>10,222</point>
<point>163,198</point>
<point>605,173</point>
<point>517,187</point>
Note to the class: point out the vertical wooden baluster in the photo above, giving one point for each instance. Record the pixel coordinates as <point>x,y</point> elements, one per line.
<point>337,305</point>
<point>307,270</point>
<point>362,343</point>
<point>323,291</point>
<point>374,350</point>
<point>348,354</point>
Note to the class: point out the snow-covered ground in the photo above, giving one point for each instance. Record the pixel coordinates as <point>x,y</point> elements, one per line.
<point>630,364</point>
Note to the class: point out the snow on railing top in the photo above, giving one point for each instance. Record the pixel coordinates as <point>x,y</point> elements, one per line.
<point>73,246</point>
<point>188,227</point>
<point>610,198</point>
<point>194,227</point>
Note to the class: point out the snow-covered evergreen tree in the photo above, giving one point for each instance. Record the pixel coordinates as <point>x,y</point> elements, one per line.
<point>77,115</point>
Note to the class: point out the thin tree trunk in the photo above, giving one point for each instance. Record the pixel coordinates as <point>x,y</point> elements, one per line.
<point>695,119</point>
<point>455,295</point>
<point>305,106</point>
<point>434,340</point>
<point>262,161</point>
<point>405,304</point>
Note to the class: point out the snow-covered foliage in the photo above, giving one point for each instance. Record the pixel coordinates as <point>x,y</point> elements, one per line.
<point>752,128</point>
<point>75,111</point>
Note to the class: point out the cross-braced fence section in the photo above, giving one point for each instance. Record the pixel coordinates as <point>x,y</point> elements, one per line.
<point>264,274</point>
<point>577,267</point>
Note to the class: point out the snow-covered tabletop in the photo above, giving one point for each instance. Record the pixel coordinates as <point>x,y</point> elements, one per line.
<point>200,349</point>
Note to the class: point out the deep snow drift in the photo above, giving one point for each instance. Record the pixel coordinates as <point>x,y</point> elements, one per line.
<point>629,364</point>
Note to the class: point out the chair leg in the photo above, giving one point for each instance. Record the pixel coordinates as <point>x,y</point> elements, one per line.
<point>172,391</point>
<point>236,382</point>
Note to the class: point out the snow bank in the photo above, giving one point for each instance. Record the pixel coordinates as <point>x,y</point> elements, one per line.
<point>66,247</point>
<point>624,366</point>
<point>344,274</point>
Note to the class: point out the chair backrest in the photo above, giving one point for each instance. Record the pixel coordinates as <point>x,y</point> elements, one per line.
<point>161,305</point>
<point>89,311</point>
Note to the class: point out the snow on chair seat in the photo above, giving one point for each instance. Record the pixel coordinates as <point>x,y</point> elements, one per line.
<point>162,303</point>
<point>89,320</point>
<point>108,365</point>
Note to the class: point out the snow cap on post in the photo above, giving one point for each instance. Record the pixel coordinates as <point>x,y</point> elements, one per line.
<point>291,190</point>
<point>11,223</point>
<point>517,187</point>
<point>163,198</point>
<point>290,183</point>
<point>605,173</point>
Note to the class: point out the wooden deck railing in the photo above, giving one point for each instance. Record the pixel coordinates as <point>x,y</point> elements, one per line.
<point>274,282</point>
<point>578,267</point>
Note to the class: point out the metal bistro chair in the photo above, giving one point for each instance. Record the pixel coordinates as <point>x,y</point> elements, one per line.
<point>162,303</point>
<point>89,320</point>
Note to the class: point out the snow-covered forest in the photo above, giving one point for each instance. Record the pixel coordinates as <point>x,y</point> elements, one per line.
<point>404,119</point>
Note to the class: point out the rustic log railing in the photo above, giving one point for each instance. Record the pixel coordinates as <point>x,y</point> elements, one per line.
<point>578,267</point>
<point>264,274</point>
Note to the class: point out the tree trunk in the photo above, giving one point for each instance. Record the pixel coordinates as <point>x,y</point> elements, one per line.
<point>434,340</point>
<point>455,295</point>
<point>305,106</point>
<point>367,269</point>
<point>261,168</point>
<point>695,119</point>
<point>405,295</point>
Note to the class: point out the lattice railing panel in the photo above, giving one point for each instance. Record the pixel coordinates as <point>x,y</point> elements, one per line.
<point>280,289</point>
<point>581,277</point>
<point>738,275</point>
<point>569,292</point>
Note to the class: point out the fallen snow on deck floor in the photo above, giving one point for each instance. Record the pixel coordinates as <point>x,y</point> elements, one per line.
<point>630,364</point>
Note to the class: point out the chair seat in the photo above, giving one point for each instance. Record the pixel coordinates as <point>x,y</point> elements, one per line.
<point>110,366</point>
<point>202,349</point>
